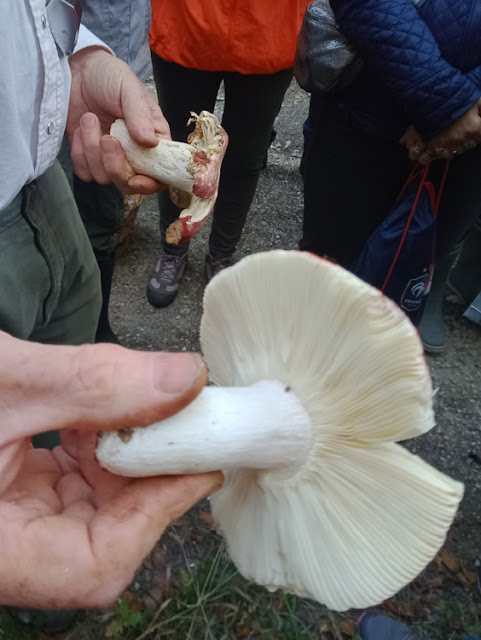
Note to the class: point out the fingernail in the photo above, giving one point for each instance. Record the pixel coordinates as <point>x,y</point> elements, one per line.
<point>108,145</point>
<point>89,121</point>
<point>176,372</point>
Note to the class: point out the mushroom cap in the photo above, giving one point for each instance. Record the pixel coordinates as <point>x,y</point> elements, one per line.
<point>363,516</point>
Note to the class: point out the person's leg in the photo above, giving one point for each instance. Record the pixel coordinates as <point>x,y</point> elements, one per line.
<point>351,182</point>
<point>102,210</point>
<point>180,91</point>
<point>464,281</point>
<point>72,308</point>
<point>459,210</point>
<point>25,278</point>
<point>49,283</point>
<point>317,103</point>
<point>460,205</point>
<point>252,103</point>
<point>431,327</point>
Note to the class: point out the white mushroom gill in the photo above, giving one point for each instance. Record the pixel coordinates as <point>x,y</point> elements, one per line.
<point>361,516</point>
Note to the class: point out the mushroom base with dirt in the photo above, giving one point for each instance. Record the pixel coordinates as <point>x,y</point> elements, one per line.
<point>192,170</point>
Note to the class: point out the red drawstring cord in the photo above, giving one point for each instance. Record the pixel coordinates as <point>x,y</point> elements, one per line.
<point>435,202</point>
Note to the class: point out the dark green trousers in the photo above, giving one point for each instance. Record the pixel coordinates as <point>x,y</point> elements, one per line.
<point>49,279</point>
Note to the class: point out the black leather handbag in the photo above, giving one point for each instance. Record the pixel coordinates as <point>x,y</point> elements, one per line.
<point>325,60</point>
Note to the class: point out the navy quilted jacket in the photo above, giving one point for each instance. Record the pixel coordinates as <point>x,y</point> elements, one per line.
<point>421,68</point>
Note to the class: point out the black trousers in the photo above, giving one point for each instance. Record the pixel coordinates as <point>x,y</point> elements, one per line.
<point>252,103</point>
<point>351,180</point>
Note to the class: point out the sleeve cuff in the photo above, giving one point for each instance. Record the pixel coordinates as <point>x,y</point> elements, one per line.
<point>88,39</point>
<point>430,128</point>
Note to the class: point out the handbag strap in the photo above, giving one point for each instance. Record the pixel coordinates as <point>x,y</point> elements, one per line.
<point>435,198</point>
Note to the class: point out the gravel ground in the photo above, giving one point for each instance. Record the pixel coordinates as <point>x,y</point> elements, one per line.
<point>275,222</point>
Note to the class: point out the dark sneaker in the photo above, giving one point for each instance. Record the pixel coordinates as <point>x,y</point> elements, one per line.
<point>164,282</point>
<point>372,626</point>
<point>213,266</point>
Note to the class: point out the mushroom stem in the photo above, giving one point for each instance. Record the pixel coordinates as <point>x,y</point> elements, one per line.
<point>263,426</point>
<point>169,162</point>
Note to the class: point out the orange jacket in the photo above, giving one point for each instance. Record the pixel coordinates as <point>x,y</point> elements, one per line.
<point>248,36</point>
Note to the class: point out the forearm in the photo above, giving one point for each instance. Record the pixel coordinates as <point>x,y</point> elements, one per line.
<point>399,47</point>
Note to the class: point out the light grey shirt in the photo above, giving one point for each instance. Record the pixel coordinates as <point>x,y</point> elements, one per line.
<point>123,25</point>
<point>34,94</point>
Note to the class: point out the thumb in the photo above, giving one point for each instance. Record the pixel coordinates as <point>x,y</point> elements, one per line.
<point>90,388</point>
<point>142,114</point>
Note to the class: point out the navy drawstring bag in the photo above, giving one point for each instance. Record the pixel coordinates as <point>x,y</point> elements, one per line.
<point>398,256</point>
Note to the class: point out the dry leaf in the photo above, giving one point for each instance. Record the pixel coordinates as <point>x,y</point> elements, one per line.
<point>348,628</point>
<point>325,625</point>
<point>157,559</point>
<point>455,624</point>
<point>196,536</point>
<point>161,587</point>
<point>206,518</point>
<point>391,606</point>
<point>399,609</point>
<point>135,603</point>
<point>243,631</point>
<point>436,582</point>
<point>449,561</point>
<point>468,578</point>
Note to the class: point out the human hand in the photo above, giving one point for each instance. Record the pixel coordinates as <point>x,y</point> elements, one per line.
<point>72,534</point>
<point>103,89</point>
<point>462,136</point>
<point>414,143</point>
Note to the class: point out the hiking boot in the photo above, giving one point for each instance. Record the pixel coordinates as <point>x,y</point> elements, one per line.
<point>213,266</point>
<point>431,328</point>
<point>164,282</point>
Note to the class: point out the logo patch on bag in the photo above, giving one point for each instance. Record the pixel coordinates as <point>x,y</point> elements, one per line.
<point>412,297</point>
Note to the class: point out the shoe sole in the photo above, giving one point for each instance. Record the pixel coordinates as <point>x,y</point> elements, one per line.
<point>433,349</point>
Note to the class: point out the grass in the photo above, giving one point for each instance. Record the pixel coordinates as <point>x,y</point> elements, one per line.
<point>455,623</point>
<point>209,600</point>
<point>213,602</point>
<point>11,630</point>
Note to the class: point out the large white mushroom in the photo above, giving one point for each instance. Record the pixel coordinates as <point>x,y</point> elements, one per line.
<point>192,170</point>
<point>318,376</point>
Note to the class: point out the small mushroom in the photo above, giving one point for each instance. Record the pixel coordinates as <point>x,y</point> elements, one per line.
<point>319,375</point>
<point>191,169</point>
